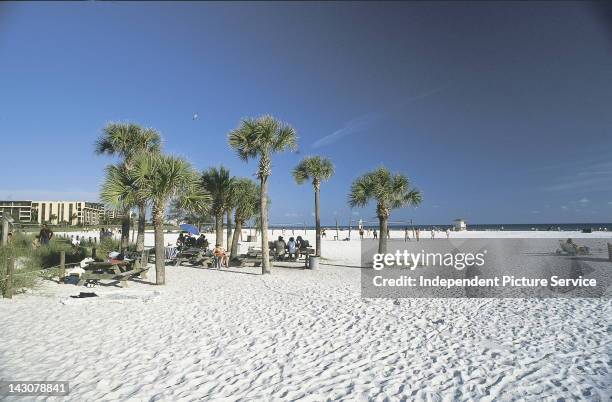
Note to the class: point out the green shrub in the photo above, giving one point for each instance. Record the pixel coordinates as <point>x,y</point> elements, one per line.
<point>29,261</point>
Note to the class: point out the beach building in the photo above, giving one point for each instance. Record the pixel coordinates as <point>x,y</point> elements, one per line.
<point>20,211</point>
<point>54,212</point>
<point>459,224</point>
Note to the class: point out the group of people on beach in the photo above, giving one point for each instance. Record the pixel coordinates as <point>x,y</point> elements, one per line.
<point>416,233</point>
<point>189,240</point>
<point>293,248</point>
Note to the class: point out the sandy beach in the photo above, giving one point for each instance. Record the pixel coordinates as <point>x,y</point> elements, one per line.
<point>301,334</point>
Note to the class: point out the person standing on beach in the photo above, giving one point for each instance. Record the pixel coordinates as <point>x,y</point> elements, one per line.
<point>433,234</point>
<point>45,235</point>
<point>375,234</point>
<point>448,233</point>
<point>361,233</point>
<point>417,234</point>
<point>406,235</point>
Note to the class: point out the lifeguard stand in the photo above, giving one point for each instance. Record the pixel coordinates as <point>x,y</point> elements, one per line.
<point>459,225</point>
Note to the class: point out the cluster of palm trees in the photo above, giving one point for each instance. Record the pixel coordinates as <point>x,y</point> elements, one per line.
<point>145,178</point>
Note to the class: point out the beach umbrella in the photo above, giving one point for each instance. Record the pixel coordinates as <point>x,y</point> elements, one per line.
<point>190,229</point>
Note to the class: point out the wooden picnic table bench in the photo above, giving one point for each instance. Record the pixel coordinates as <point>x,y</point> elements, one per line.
<point>194,256</point>
<point>117,270</point>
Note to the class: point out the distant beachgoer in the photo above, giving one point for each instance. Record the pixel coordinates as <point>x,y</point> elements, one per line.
<point>406,234</point>
<point>417,234</point>
<point>323,234</point>
<point>375,234</point>
<point>388,233</point>
<point>279,247</point>
<point>448,233</point>
<point>433,234</point>
<point>220,256</point>
<point>292,248</point>
<point>181,240</point>
<point>45,235</point>
<point>361,233</point>
<point>299,242</point>
<point>190,240</point>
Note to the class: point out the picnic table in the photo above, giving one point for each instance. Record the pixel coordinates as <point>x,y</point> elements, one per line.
<point>118,270</point>
<point>194,256</point>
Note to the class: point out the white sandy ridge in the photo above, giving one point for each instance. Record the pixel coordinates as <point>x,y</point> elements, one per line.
<point>302,334</point>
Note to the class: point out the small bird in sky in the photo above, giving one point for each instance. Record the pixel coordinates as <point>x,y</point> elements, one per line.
<point>195,116</point>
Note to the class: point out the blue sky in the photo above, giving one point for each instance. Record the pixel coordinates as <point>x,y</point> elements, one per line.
<point>498,112</point>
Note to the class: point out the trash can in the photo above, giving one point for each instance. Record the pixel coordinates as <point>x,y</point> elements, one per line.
<point>313,262</point>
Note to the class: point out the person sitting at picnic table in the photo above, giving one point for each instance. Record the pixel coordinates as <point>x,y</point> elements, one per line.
<point>220,256</point>
<point>45,235</point>
<point>292,248</point>
<point>299,242</point>
<point>201,242</point>
<point>279,247</point>
<point>190,240</point>
<point>180,241</point>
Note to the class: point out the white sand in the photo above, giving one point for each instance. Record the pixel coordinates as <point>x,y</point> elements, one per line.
<point>301,334</point>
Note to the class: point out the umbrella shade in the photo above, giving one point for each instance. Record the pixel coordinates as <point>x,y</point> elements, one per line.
<point>190,229</point>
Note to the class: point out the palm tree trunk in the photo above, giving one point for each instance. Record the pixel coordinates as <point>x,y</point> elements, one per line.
<point>125,230</point>
<point>236,239</point>
<point>265,249</point>
<point>382,238</point>
<point>219,229</point>
<point>158,225</point>
<point>229,228</point>
<point>142,216</point>
<point>317,222</point>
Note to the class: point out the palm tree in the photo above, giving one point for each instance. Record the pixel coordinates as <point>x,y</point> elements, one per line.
<point>261,138</point>
<point>120,190</point>
<point>318,169</point>
<point>218,183</point>
<point>390,191</point>
<point>246,203</point>
<point>160,179</point>
<point>127,140</point>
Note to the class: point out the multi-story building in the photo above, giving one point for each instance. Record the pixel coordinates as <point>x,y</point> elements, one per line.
<point>21,211</point>
<point>54,212</point>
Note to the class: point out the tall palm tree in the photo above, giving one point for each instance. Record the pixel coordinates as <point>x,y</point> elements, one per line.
<point>127,140</point>
<point>261,138</point>
<point>246,203</point>
<point>218,183</point>
<point>160,179</point>
<point>317,169</point>
<point>390,191</point>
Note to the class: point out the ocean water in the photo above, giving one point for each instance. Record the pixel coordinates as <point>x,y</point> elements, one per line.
<point>478,227</point>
